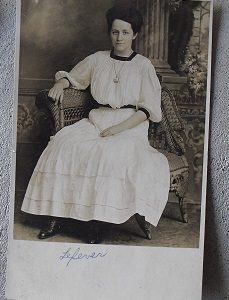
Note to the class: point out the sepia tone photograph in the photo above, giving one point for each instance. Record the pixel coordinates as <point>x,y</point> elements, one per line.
<point>111,122</point>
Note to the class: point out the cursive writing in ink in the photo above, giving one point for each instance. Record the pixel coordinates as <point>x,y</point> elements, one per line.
<point>71,255</point>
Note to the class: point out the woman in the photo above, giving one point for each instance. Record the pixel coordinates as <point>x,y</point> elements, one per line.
<point>103,168</point>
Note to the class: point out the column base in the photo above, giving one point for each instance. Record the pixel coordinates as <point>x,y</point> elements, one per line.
<point>168,76</point>
<point>162,67</point>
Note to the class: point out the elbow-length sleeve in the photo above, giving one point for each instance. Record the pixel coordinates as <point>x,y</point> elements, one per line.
<point>150,93</point>
<point>80,76</point>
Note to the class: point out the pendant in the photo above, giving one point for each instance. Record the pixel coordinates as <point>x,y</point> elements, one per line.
<point>115,79</point>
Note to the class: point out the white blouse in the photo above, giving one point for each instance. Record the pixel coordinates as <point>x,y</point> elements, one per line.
<point>138,83</point>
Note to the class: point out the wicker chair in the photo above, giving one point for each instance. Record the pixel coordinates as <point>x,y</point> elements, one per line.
<point>164,136</point>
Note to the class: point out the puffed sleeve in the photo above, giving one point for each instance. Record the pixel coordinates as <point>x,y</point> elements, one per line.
<point>80,76</point>
<point>150,93</point>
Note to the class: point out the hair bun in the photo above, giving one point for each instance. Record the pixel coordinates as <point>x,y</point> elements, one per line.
<point>124,10</point>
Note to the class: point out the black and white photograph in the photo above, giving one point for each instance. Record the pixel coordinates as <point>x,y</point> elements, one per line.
<point>111,149</point>
<point>111,122</point>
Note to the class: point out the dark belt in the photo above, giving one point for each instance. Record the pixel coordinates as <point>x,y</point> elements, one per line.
<point>125,106</point>
<point>129,106</point>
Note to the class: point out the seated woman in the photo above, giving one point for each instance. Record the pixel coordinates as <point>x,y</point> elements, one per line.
<point>103,168</point>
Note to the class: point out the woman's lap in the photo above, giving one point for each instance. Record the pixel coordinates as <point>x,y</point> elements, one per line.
<point>82,175</point>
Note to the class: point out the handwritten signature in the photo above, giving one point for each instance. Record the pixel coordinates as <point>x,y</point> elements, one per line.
<point>72,254</point>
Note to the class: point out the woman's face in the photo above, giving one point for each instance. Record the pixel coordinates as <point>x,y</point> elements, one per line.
<point>122,36</point>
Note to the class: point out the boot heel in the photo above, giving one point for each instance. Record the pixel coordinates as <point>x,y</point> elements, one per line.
<point>144,225</point>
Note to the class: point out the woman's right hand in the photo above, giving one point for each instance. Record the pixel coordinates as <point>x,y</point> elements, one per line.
<point>57,92</point>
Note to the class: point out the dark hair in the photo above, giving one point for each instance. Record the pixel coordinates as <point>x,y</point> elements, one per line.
<point>125,13</point>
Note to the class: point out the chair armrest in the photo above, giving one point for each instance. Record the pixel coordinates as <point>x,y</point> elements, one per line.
<point>47,105</point>
<point>76,105</point>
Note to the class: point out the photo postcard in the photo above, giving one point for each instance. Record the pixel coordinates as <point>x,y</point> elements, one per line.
<point>111,140</point>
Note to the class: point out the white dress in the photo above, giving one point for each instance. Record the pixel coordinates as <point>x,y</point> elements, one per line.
<point>83,176</point>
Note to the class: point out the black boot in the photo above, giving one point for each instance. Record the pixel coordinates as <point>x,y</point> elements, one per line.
<point>51,228</point>
<point>144,225</point>
<point>94,233</point>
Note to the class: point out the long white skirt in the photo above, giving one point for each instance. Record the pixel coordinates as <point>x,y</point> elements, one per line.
<point>83,176</point>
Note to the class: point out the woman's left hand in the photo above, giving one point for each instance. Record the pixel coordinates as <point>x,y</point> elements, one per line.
<point>131,122</point>
<point>111,131</point>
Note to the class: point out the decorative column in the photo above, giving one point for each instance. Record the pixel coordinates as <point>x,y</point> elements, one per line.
<point>152,41</point>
